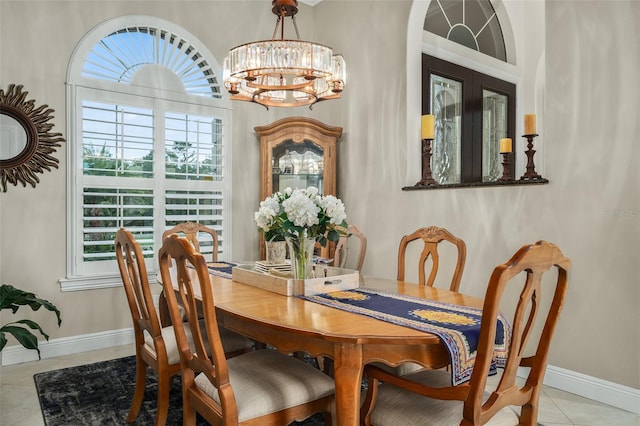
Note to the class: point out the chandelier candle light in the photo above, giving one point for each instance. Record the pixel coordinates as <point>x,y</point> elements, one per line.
<point>427,133</point>
<point>282,72</point>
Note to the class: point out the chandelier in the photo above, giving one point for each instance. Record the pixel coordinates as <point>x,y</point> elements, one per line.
<point>281,72</point>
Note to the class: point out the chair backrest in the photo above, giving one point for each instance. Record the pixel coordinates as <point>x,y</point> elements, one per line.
<point>194,293</point>
<point>342,248</point>
<point>534,261</point>
<point>432,236</point>
<point>190,231</point>
<point>136,285</point>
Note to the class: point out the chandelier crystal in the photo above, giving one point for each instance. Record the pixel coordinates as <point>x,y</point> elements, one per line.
<point>281,72</point>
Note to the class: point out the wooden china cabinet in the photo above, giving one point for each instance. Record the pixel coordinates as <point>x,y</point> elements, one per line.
<point>297,152</point>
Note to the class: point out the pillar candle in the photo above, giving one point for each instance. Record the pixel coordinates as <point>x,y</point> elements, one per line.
<point>505,145</point>
<point>427,126</point>
<point>529,124</point>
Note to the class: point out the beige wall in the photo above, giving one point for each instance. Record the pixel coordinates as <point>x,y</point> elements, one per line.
<point>587,100</point>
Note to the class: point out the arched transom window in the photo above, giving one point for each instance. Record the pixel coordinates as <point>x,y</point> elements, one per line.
<point>471,23</point>
<point>132,55</point>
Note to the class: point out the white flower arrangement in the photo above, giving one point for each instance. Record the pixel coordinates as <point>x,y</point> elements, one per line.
<point>297,212</point>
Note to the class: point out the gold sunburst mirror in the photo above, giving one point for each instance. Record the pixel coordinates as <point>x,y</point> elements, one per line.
<point>26,143</point>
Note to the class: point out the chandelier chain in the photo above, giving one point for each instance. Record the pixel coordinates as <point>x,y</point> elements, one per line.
<point>293,18</point>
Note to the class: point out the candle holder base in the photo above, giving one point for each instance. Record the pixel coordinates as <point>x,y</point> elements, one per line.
<point>427,178</point>
<point>530,174</point>
<point>506,177</point>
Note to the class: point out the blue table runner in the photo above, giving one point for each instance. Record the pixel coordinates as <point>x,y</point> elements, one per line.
<point>457,326</point>
<point>221,268</point>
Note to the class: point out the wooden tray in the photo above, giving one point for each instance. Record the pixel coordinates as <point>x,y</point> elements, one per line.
<point>337,279</point>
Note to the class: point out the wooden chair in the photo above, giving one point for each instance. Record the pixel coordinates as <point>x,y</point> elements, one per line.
<point>263,387</point>
<point>342,248</point>
<point>190,231</point>
<point>432,236</point>
<point>155,346</point>
<point>427,397</point>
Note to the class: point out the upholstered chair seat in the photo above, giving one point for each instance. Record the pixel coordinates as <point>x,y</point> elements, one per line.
<point>400,407</point>
<point>254,377</point>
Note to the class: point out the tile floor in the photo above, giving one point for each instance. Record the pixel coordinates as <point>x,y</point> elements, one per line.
<point>19,404</point>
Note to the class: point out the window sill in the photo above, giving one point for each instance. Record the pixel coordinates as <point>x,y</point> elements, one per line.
<point>95,282</point>
<point>541,181</point>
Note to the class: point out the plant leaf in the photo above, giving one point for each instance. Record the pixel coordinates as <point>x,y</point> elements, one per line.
<point>23,336</point>
<point>32,325</point>
<point>12,298</point>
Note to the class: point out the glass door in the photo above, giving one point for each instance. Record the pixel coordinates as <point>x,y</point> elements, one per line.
<point>298,165</point>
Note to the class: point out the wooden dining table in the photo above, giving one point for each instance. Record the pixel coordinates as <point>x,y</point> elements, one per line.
<point>351,340</point>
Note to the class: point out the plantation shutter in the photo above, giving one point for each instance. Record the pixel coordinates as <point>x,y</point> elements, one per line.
<point>125,184</point>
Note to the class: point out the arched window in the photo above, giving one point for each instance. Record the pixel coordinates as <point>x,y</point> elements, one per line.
<point>149,146</point>
<point>471,23</point>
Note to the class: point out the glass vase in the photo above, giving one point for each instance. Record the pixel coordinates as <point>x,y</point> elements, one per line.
<point>301,254</point>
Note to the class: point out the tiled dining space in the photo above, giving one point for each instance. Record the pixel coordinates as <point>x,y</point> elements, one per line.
<point>19,404</point>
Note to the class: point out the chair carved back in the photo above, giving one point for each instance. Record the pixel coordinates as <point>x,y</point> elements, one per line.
<point>190,283</point>
<point>533,261</point>
<point>136,285</point>
<point>342,248</point>
<point>431,237</point>
<point>190,231</point>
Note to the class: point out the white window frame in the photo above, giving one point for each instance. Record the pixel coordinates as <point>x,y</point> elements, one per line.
<point>78,275</point>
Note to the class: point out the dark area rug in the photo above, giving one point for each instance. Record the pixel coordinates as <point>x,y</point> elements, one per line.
<point>101,393</point>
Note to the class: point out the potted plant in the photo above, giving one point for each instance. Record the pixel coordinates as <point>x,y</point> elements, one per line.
<point>12,298</point>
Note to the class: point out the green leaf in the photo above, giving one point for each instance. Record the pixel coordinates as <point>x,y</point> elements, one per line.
<point>333,235</point>
<point>23,336</point>
<point>12,298</point>
<point>34,326</point>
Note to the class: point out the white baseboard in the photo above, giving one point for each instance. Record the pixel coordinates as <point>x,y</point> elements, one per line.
<point>620,396</point>
<point>67,345</point>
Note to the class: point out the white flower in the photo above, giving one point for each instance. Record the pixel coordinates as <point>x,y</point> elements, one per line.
<point>301,210</point>
<point>311,191</point>
<point>334,209</point>
<point>293,211</point>
<point>269,209</point>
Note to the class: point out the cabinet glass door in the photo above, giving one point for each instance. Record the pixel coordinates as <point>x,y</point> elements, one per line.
<point>297,165</point>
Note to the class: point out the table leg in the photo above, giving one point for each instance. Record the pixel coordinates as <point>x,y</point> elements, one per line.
<point>348,382</point>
